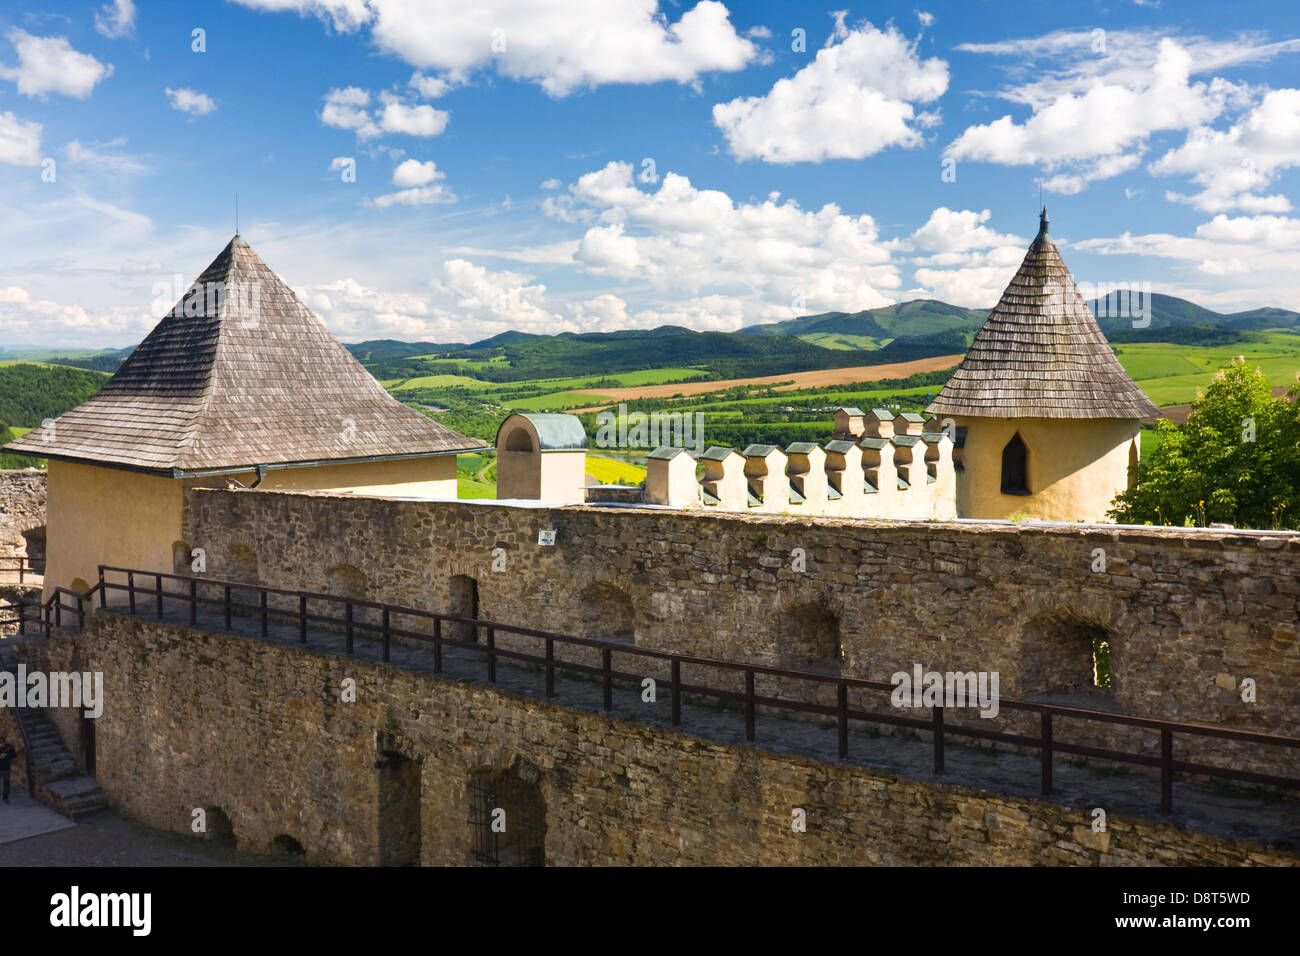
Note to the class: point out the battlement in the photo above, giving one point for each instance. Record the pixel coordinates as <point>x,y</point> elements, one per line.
<point>881,467</point>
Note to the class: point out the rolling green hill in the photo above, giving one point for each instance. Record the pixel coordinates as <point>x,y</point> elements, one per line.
<point>31,393</point>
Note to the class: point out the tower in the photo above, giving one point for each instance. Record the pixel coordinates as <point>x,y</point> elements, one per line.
<point>1050,417</point>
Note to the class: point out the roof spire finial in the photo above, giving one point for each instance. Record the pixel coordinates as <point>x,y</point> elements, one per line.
<point>1042,222</point>
<point>236,214</point>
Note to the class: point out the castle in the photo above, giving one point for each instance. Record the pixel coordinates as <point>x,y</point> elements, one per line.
<point>241,383</point>
<point>241,430</point>
<point>1040,420</point>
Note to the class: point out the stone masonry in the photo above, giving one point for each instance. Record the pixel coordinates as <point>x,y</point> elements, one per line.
<point>257,734</point>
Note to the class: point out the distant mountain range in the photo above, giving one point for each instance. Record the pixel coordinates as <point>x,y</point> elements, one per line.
<point>911,330</point>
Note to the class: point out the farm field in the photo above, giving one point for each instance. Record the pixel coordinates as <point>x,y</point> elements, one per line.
<point>790,380</point>
<point>1171,374</point>
<point>609,471</point>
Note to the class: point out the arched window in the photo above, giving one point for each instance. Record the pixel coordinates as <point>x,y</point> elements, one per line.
<point>519,440</point>
<point>1015,467</point>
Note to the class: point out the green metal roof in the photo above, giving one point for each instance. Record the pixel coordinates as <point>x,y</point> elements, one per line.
<point>758,451</point>
<point>832,494</point>
<point>902,484</point>
<point>907,441</point>
<point>840,446</point>
<point>707,498</point>
<point>884,414</point>
<point>869,488</point>
<point>795,497</point>
<point>849,411</point>
<point>555,431</point>
<point>912,417</point>
<point>802,448</point>
<point>931,437</point>
<point>717,453</point>
<point>876,443</point>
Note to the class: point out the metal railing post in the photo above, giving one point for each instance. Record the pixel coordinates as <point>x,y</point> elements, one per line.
<point>158,577</point>
<point>1166,770</point>
<point>437,645</point>
<point>348,616</point>
<point>194,602</point>
<point>749,706</point>
<point>130,590</point>
<point>1045,752</point>
<point>937,715</point>
<point>491,654</point>
<point>226,603</point>
<point>607,679</point>
<point>387,635</point>
<point>103,590</point>
<point>302,619</point>
<point>842,706</point>
<point>263,624</point>
<point>677,691</point>
<point>550,667</point>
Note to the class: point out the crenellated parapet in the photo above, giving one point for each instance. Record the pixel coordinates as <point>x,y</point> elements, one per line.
<point>897,467</point>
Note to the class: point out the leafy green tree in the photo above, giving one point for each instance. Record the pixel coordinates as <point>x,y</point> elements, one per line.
<point>1236,460</point>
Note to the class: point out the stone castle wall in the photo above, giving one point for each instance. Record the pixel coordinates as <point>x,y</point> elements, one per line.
<point>1187,614</point>
<point>257,733</point>
<point>22,508</point>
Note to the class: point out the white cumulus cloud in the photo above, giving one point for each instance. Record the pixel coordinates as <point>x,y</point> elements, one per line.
<point>190,101</point>
<point>855,99</point>
<point>51,65</point>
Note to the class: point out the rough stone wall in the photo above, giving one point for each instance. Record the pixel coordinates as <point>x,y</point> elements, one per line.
<point>258,731</point>
<point>1188,615</point>
<point>22,507</point>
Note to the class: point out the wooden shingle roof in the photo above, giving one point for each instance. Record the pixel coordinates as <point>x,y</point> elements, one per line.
<point>240,373</point>
<point>1040,353</point>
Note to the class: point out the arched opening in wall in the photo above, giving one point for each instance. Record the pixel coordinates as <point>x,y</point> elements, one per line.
<point>1062,653</point>
<point>605,611</point>
<point>219,828</point>
<point>345,580</point>
<point>808,637</point>
<point>1132,464</point>
<point>507,815</point>
<point>519,440</point>
<point>242,564</point>
<point>399,809</point>
<point>181,560</point>
<point>464,603</point>
<point>1015,467</point>
<point>34,546</point>
<point>288,846</point>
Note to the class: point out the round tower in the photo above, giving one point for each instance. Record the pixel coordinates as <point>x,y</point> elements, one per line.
<point>1047,419</point>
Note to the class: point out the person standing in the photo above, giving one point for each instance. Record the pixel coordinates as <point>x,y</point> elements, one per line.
<point>7,755</point>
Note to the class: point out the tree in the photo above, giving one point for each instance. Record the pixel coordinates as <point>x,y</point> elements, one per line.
<point>1236,460</point>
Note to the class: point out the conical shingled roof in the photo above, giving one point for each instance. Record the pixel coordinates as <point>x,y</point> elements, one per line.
<point>239,373</point>
<point>1040,353</point>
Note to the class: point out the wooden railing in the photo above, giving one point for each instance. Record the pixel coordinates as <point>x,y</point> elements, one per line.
<point>22,564</point>
<point>148,590</point>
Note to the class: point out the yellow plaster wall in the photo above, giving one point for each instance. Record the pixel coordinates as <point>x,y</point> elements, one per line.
<point>1075,467</point>
<point>106,516</point>
<point>412,477</point>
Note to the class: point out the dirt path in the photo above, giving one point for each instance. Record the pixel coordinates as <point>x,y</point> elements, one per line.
<point>816,379</point>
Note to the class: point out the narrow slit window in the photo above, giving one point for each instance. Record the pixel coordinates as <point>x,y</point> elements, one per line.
<point>1015,467</point>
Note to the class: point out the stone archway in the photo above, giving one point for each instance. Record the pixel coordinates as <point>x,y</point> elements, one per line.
<point>1064,652</point>
<point>507,814</point>
<point>606,611</point>
<point>808,637</point>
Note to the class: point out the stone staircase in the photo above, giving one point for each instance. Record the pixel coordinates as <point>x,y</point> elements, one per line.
<point>59,781</point>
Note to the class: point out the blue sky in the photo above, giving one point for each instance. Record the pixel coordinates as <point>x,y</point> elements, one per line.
<point>564,165</point>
